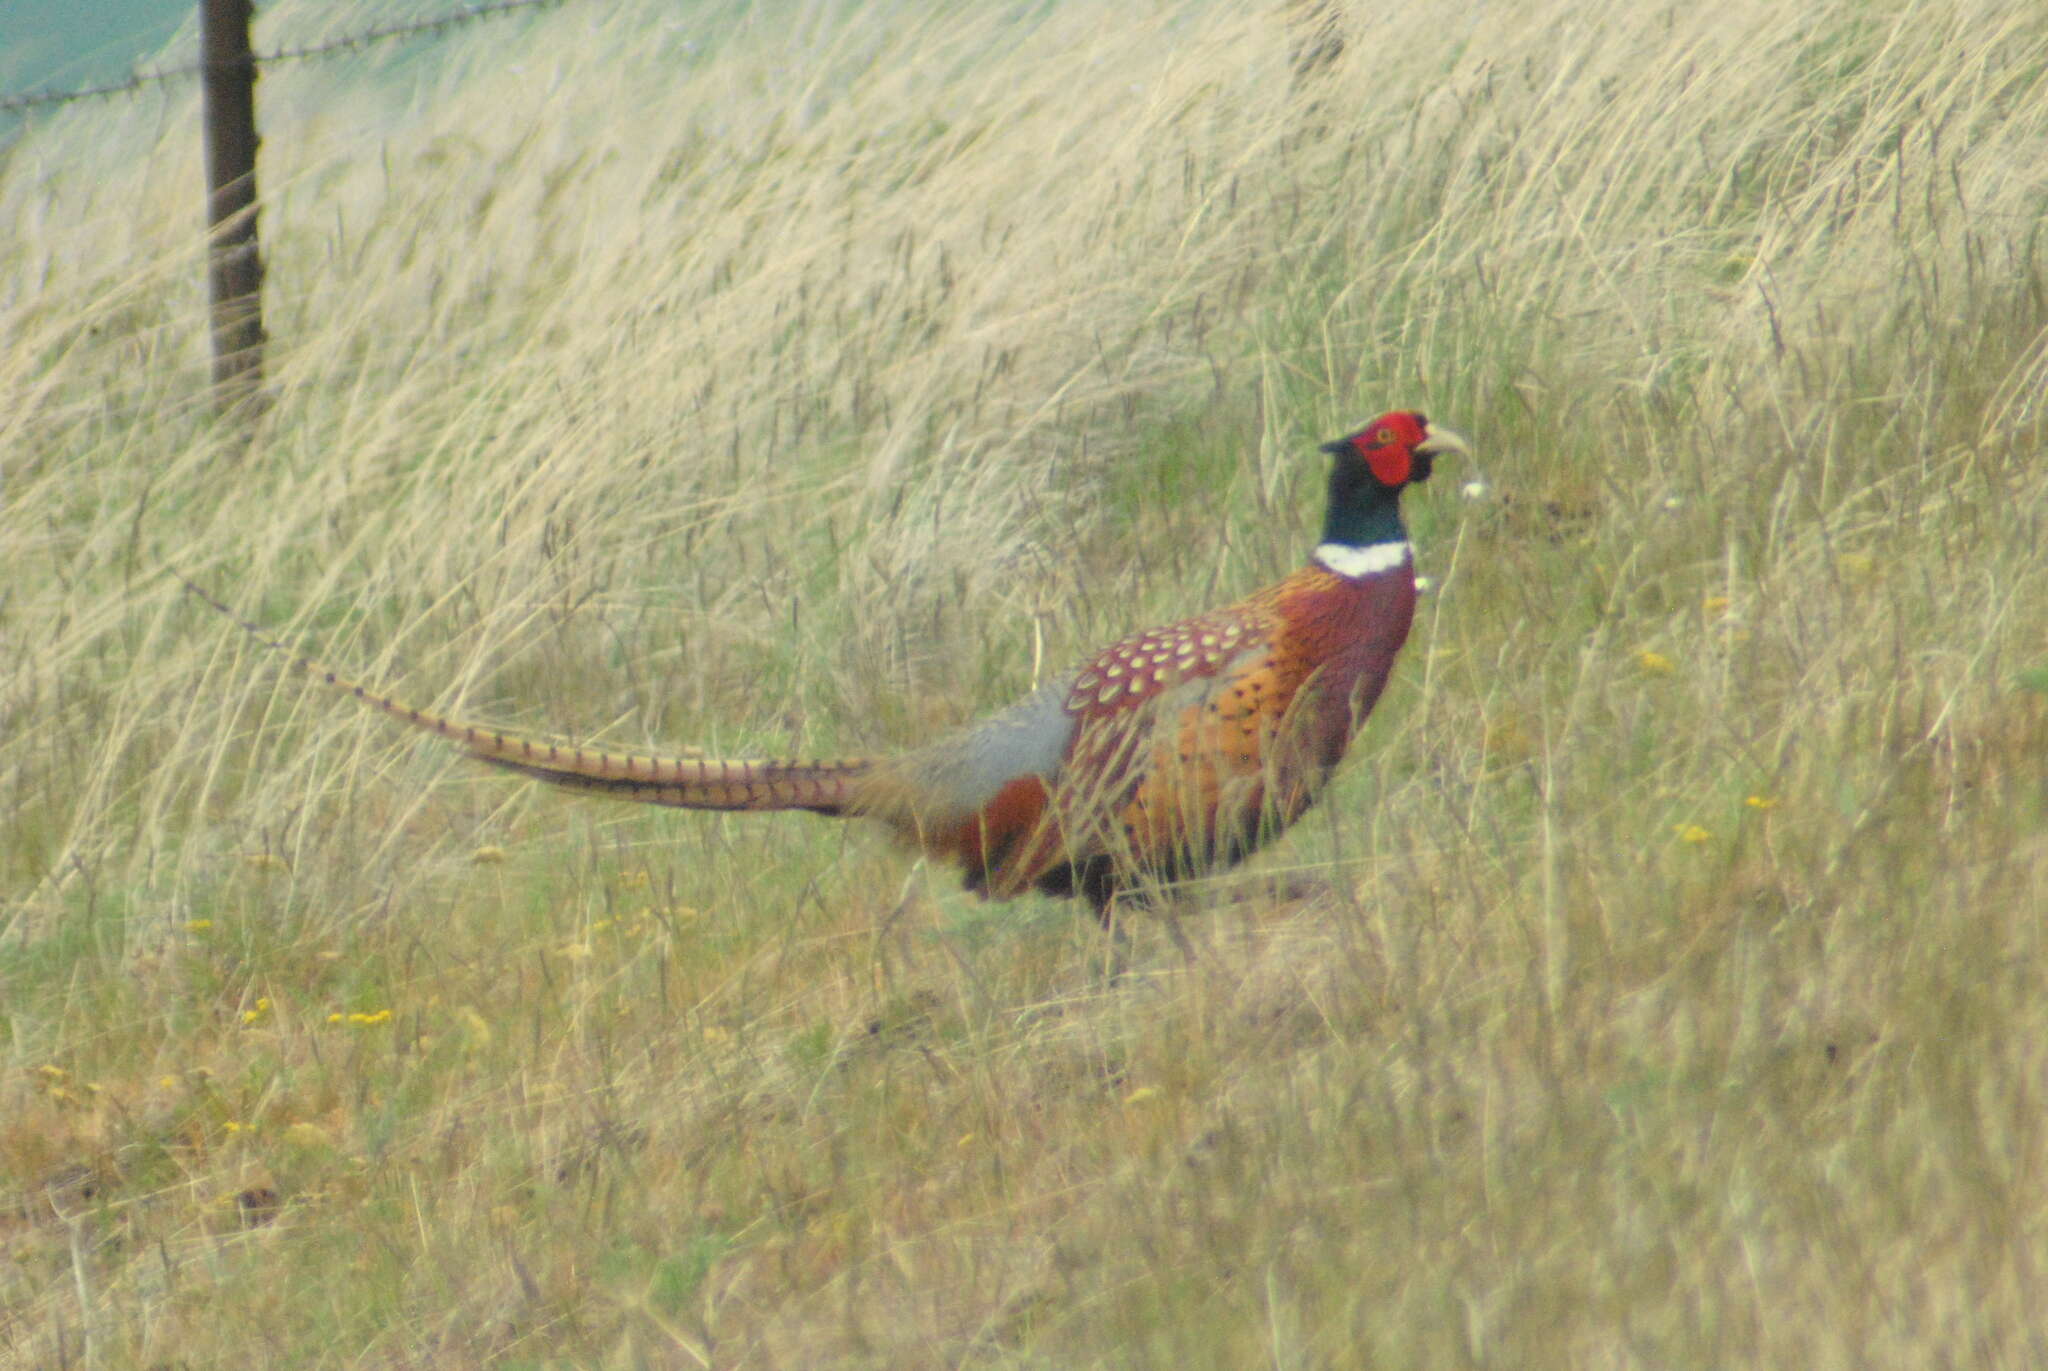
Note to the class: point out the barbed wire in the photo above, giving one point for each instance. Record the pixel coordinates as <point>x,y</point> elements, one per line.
<point>14,104</point>
<point>354,42</point>
<point>468,14</point>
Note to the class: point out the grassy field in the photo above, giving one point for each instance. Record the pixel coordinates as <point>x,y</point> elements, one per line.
<point>1663,984</point>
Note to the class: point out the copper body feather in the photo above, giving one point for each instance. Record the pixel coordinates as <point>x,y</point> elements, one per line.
<point>1188,746</point>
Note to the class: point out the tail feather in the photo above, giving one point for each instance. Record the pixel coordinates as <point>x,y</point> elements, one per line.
<point>822,787</point>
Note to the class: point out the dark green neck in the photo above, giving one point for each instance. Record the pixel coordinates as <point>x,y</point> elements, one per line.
<point>1362,511</point>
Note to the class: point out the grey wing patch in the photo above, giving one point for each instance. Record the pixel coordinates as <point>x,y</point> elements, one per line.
<point>960,773</point>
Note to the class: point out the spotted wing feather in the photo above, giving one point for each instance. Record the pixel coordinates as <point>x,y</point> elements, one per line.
<point>1126,705</point>
<point>1195,742</point>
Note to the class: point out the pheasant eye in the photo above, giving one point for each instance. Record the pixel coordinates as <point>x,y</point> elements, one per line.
<point>1383,437</point>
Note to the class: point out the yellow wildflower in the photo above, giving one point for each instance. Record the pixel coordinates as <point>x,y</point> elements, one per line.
<point>488,855</point>
<point>198,925</point>
<point>1690,833</point>
<point>1762,802</point>
<point>1654,663</point>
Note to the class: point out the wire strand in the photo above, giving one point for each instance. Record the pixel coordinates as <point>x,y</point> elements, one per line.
<point>355,42</point>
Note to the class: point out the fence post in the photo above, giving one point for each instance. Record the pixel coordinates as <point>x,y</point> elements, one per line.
<point>234,261</point>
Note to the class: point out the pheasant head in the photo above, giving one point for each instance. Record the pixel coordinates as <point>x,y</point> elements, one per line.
<point>1372,467</point>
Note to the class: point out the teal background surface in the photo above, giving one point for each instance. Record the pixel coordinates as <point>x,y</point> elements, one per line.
<point>60,44</point>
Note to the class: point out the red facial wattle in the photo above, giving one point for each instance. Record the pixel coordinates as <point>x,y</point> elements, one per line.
<point>1388,447</point>
<point>1391,464</point>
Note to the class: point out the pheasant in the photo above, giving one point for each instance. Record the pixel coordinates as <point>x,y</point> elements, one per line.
<point>1176,751</point>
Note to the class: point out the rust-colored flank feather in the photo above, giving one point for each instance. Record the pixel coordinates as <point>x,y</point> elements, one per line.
<point>1176,751</point>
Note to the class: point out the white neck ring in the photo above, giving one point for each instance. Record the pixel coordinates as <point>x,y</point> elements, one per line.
<point>1368,560</point>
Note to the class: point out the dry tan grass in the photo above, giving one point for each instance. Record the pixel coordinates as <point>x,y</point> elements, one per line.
<point>1661,988</point>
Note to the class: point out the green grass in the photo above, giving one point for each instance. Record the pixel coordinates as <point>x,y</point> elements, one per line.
<point>1658,986</point>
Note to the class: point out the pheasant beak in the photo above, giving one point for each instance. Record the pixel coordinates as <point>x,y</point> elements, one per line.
<point>1437,441</point>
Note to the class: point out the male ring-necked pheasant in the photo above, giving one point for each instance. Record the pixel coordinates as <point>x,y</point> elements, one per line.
<point>1173,752</point>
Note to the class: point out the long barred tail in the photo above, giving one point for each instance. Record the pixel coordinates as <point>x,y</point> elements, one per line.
<point>823,787</point>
